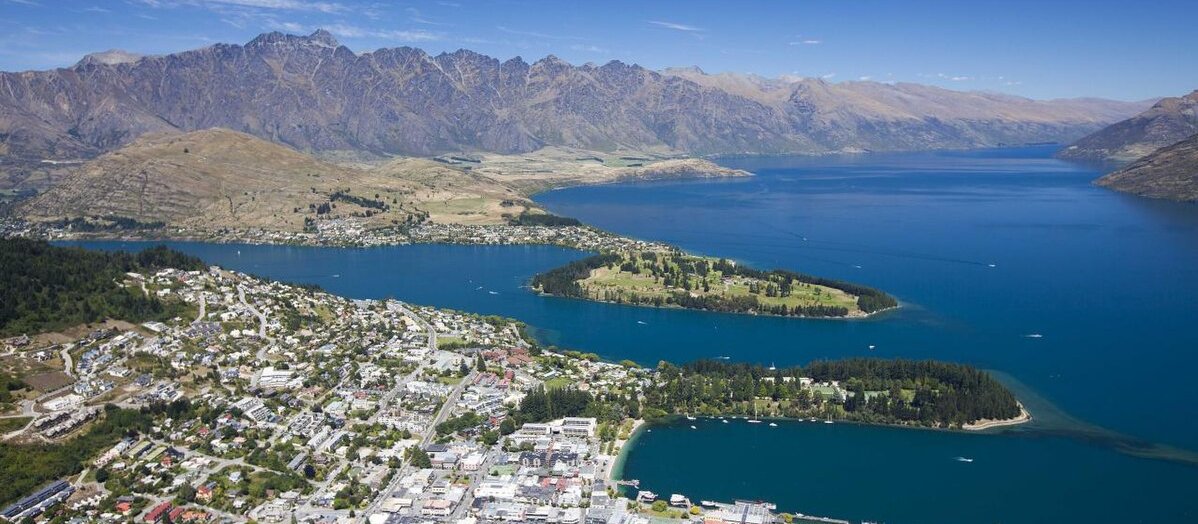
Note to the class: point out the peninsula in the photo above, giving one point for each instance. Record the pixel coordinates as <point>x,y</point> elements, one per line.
<point>670,278</point>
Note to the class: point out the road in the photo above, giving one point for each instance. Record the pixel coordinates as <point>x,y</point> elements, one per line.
<point>450,401</point>
<point>203,306</point>
<point>261,320</point>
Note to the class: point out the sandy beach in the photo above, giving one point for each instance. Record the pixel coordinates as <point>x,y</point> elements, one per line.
<point>611,465</point>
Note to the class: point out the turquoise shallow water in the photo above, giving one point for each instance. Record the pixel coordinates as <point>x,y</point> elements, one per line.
<point>1108,281</point>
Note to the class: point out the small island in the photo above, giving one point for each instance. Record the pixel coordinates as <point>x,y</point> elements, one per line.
<point>672,278</point>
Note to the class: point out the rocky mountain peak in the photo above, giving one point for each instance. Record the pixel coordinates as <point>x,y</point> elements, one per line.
<point>320,38</point>
<point>109,57</point>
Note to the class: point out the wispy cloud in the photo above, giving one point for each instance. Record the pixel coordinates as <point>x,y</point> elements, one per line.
<point>535,34</point>
<point>354,31</point>
<point>264,5</point>
<point>809,41</point>
<point>676,26</point>
<point>589,48</point>
<point>828,76</point>
<point>294,5</point>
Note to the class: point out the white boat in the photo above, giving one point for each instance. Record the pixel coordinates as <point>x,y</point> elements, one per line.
<point>679,501</point>
<point>993,265</point>
<point>963,459</point>
<point>871,347</point>
<point>754,419</point>
<point>641,322</point>
<point>827,422</point>
<point>773,425</point>
<point>688,417</point>
<point>646,496</point>
<point>692,427</point>
<point>493,292</point>
<point>1033,335</point>
<point>708,503</point>
<point>724,421</point>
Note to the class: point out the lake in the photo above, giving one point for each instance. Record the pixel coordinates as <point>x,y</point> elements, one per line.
<point>984,248</point>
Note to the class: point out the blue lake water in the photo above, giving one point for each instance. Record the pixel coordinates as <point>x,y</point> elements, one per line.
<point>983,248</point>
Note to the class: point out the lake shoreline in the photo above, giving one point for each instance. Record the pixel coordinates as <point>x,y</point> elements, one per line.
<point>859,317</point>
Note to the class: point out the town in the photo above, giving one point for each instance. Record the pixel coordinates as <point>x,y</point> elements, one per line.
<point>345,232</point>
<point>269,402</point>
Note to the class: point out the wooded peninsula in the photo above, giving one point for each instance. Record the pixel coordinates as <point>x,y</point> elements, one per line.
<point>672,278</point>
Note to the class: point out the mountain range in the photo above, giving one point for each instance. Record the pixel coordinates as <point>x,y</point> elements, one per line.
<point>1167,122</point>
<point>315,95</point>
<point>1170,172</point>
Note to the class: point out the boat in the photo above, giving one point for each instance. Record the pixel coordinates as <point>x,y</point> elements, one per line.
<point>693,427</point>
<point>708,503</point>
<point>641,322</point>
<point>688,417</point>
<point>993,265</point>
<point>646,496</point>
<point>812,419</point>
<point>1033,335</point>
<point>871,347</point>
<point>754,419</point>
<point>773,425</point>
<point>963,459</point>
<point>827,422</point>
<point>724,421</point>
<point>679,501</point>
<point>493,292</point>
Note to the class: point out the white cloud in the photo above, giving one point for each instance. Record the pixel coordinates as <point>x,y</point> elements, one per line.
<point>828,76</point>
<point>676,26</point>
<point>588,48</point>
<point>399,35</point>
<point>284,5</point>
<point>954,78</point>
<point>865,78</point>
<point>535,34</point>
<point>294,5</point>
<point>806,42</point>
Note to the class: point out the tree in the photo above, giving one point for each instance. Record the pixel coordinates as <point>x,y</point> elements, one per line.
<point>420,458</point>
<point>659,506</point>
<point>508,426</point>
<point>489,438</point>
<point>480,364</point>
<point>186,494</point>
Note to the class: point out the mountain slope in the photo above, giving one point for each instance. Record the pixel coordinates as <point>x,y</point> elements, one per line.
<point>315,95</point>
<point>1168,121</point>
<point>1170,172</point>
<point>210,179</point>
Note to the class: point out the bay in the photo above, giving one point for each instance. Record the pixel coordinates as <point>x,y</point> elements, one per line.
<point>984,248</point>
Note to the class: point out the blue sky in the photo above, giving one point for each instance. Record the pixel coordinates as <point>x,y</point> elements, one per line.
<point>1048,49</point>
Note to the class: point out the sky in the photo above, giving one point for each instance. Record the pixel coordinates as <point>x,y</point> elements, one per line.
<point>1129,50</point>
